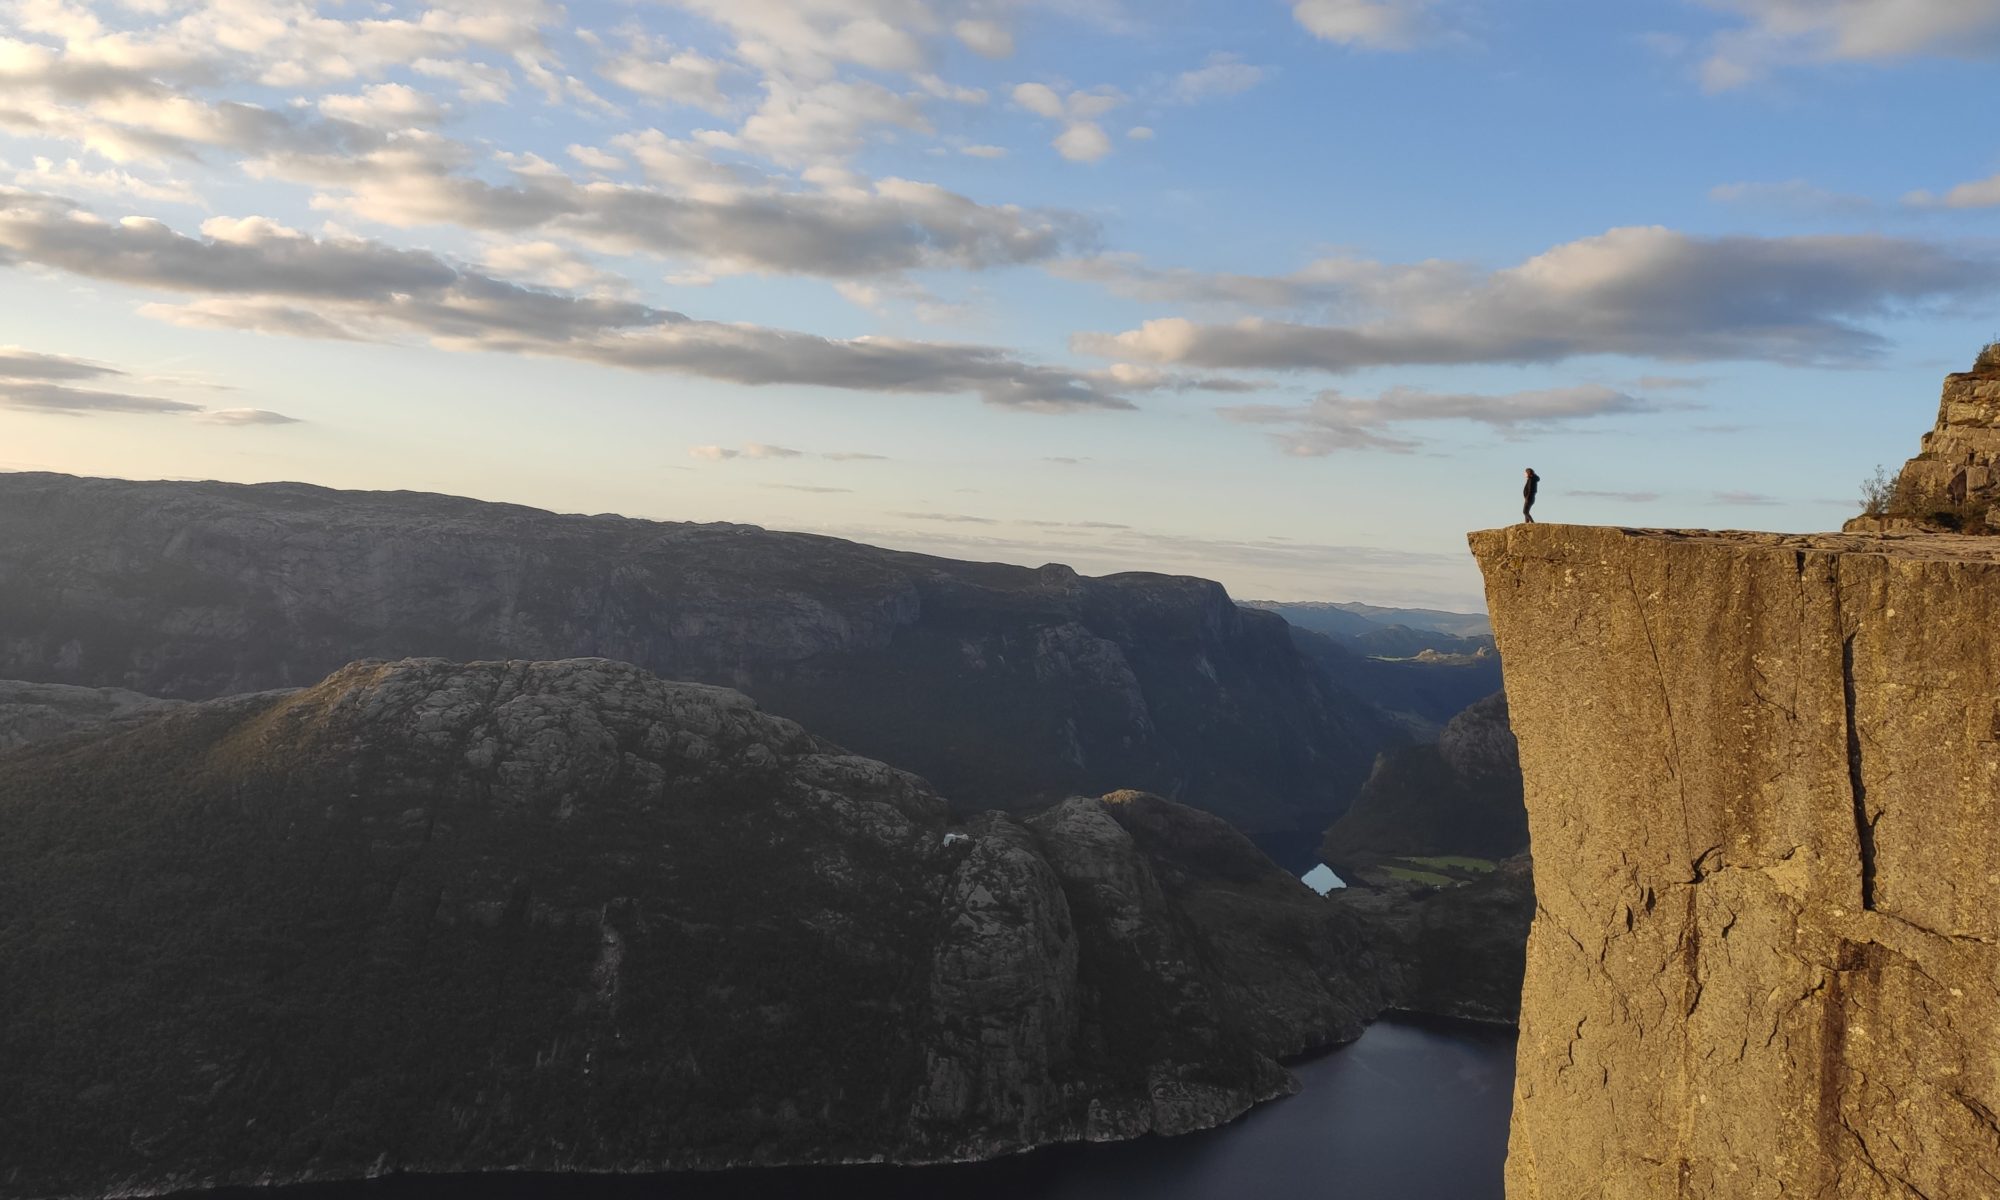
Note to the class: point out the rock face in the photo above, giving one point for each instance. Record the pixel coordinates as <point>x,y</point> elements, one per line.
<point>30,712</point>
<point>1762,780</point>
<point>1450,951</point>
<point>1460,795</point>
<point>1954,481</point>
<point>566,915</point>
<point>1002,685</point>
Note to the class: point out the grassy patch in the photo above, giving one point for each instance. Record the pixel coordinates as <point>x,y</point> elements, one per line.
<point>1452,862</point>
<point>1411,876</point>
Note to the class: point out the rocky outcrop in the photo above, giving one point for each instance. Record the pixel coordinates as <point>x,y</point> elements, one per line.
<point>1761,784</point>
<point>1459,795</point>
<point>568,916</point>
<point>1452,950</point>
<point>30,712</point>
<point>1953,484</point>
<point>1004,686</point>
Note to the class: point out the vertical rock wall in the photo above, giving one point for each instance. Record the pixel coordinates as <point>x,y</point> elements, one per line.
<point>1761,779</point>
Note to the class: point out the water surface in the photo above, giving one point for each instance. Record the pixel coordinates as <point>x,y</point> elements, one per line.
<point>1412,1111</point>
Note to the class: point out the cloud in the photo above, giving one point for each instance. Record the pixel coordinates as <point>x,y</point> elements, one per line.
<point>853,456</point>
<point>245,416</point>
<point>1792,197</point>
<point>1621,497</point>
<point>1367,24</point>
<point>1333,421</point>
<point>983,151</point>
<point>659,70</point>
<point>1643,292</point>
<point>1126,274</point>
<point>255,274</point>
<point>384,106</point>
<point>41,382</point>
<point>1082,139</point>
<point>1979,193</point>
<point>1223,75</point>
<point>1745,499</point>
<point>19,364</point>
<point>70,175</point>
<point>989,39</point>
<point>1140,133</point>
<point>1779,32</point>
<point>847,228</point>
<point>817,491</point>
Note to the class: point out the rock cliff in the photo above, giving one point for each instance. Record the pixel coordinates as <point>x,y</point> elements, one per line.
<point>30,712</point>
<point>1002,685</point>
<point>569,916</point>
<point>1762,779</point>
<point>1953,484</point>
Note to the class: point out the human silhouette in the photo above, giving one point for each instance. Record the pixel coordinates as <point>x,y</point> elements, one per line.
<point>1528,496</point>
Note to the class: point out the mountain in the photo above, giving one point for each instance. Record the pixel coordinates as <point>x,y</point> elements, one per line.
<point>428,916</point>
<point>1459,796</point>
<point>1419,694</point>
<point>1005,686</point>
<point>30,712</point>
<point>1760,779</point>
<point>1451,950</point>
<point>1345,619</point>
<point>1456,624</point>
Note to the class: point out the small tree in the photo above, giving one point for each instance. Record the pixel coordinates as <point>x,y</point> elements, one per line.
<point>1878,492</point>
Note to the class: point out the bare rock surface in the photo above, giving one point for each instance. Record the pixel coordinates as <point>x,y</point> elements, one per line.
<point>1005,686</point>
<point>30,712</point>
<point>1762,780</point>
<point>1953,483</point>
<point>428,916</point>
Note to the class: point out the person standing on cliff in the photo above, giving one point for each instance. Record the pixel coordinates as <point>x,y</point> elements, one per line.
<point>1528,496</point>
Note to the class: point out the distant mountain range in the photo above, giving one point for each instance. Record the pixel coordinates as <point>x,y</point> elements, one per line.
<point>1006,687</point>
<point>1352,619</point>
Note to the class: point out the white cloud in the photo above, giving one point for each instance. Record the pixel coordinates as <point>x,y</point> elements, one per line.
<point>1223,75</point>
<point>1794,197</point>
<point>255,274</point>
<point>1779,32</point>
<point>1644,292</point>
<point>1367,24</point>
<point>1979,193</point>
<point>1082,139</point>
<point>384,106</point>
<point>71,175</point>
<point>245,416</point>
<point>1333,421</point>
<point>662,71</point>
<point>989,39</point>
<point>1140,133</point>
<point>984,151</point>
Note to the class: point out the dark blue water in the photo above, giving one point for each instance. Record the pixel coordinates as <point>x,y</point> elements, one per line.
<point>1412,1111</point>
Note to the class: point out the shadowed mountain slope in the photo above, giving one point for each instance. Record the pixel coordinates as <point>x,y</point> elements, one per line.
<point>430,916</point>
<point>1003,685</point>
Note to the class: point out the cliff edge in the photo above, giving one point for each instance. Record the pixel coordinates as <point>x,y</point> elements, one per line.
<point>1761,786</point>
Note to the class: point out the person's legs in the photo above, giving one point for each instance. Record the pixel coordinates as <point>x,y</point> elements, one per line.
<point>1526,515</point>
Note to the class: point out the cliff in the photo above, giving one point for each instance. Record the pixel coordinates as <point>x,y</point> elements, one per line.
<point>30,712</point>
<point>1761,787</point>
<point>1953,483</point>
<point>1004,686</point>
<point>569,916</point>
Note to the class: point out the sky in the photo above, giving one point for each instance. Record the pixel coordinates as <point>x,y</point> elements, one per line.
<point>1285,293</point>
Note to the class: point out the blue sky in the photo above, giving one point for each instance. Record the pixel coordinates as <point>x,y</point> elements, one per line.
<point>1281,293</point>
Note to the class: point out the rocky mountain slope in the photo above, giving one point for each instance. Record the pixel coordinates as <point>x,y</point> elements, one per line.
<point>1003,685</point>
<point>1761,786</point>
<point>429,916</point>
<point>1456,950</point>
<point>30,712</point>
<point>1459,795</point>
